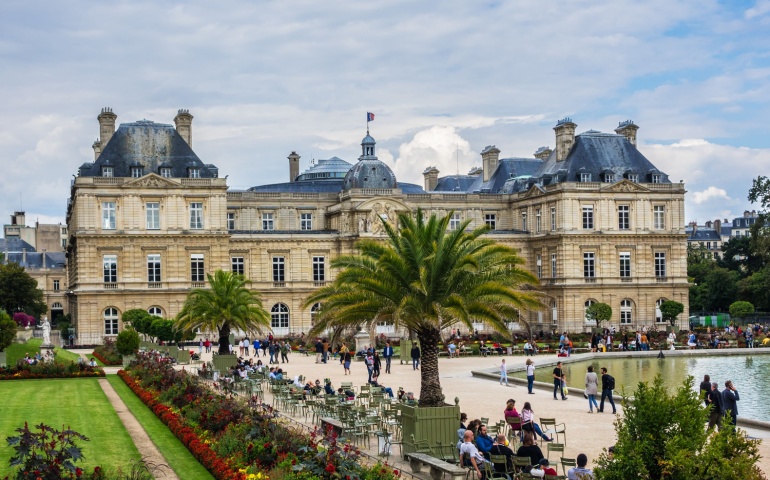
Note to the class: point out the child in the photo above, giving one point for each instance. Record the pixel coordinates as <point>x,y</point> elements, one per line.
<point>503,373</point>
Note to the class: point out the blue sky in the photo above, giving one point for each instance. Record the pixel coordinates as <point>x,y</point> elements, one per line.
<point>445,79</point>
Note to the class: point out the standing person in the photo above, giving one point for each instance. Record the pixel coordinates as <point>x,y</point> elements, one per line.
<point>200,348</point>
<point>207,345</point>
<point>369,361</point>
<point>376,365</point>
<point>714,401</point>
<point>273,353</point>
<point>347,357</point>
<point>671,340</point>
<point>319,350</point>
<point>559,379</point>
<point>608,385</point>
<point>256,347</point>
<point>592,385</point>
<point>730,399</point>
<point>504,373</point>
<point>325,346</point>
<point>285,352</point>
<point>415,357</point>
<point>387,353</point>
<point>705,388</point>
<point>530,375</point>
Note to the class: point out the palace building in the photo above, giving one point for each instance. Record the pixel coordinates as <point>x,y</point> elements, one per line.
<point>148,219</point>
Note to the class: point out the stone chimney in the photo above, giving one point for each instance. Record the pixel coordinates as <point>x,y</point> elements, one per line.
<point>293,166</point>
<point>694,226</point>
<point>44,261</point>
<point>430,175</point>
<point>475,171</point>
<point>183,122</point>
<point>24,256</point>
<point>97,146</point>
<point>628,129</point>
<point>543,153</point>
<point>565,137</point>
<point>490,156</point>
<point>746,214</point>
<point>106,126</point>
<point>19,218</point>
<point>718,226</point>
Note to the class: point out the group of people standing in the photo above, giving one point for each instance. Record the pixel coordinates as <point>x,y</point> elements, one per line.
<point>720,404</point>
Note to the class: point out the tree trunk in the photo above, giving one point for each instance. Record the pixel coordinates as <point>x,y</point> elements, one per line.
<point>430,385</point>
<point>224,339</point>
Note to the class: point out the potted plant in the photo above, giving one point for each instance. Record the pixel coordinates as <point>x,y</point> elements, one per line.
<point>127,345</point>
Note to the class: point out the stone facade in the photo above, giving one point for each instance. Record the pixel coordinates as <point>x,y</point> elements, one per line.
<point>138,242</point>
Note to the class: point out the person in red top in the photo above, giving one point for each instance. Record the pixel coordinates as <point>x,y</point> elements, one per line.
<point>542,469</point>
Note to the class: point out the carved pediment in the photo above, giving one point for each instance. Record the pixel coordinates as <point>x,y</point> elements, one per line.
<point>534,191</point>
<point>625,185</point>
<point>152,180</point>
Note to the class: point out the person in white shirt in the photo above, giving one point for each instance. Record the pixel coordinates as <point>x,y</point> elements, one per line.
<point>469,454</point>
<point>530,376</point>
<point>580,472</point>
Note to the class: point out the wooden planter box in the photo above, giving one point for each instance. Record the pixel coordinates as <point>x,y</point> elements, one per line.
<point>223,362</point>
<point>2,359</point>
<point>437,425</point>
<point>183,356</point>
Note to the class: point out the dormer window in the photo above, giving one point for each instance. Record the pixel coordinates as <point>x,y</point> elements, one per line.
<point>165,172</point>
<point>585,177</point>
<point>108,171</point>
<point>194,172</point>
<point>136,172</point>
<point>633,177</point>
<point>609,178</point>
<point>656,178</point>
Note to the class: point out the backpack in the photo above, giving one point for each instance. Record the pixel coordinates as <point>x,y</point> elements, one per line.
<point>611,382</point>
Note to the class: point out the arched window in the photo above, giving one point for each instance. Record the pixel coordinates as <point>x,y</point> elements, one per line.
<point>111,321</point>
<point>554,312</point>
<point>658,315</point>
<point>56,306</point>
<point>155,311</point>
<point>279,316</point>
<point>588,303</point>
<point>314,313</point>
<point>626,311</point>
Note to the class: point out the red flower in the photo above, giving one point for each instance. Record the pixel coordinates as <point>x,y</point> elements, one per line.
<point>330,468</point>
<point>78,472</point>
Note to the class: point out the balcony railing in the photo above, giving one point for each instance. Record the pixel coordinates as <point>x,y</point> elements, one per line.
<point>279,284</point>
<point>661,279</point>
<point>198,284</point>
<point>319,284</point>
<point>154,285</point>
<point>590,279</point>
<point>110,286</point>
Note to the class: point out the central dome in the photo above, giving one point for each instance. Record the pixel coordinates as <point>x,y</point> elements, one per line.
<point>369,173</point>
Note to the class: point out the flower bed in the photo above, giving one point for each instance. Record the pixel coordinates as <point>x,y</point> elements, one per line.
<point>24,371</point>
<point>108,353</point>
<point>238,439</point>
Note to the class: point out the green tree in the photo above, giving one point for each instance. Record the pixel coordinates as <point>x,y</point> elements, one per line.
<point>127,342</point>
<point>738,256</point>
<point>19,292</point>
<point>426,278</point>
<point>599,312</point>
<point>227,304</point>
<point>740,309</point>
<point>662,436</point>
<point>140,320</point>
<point>669,310</point>
<point>7,330</point>
<point>721,289</point>
<point>756,289</point>
<point>760,231</point>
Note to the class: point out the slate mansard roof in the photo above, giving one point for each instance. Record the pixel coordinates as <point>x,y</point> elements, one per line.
<point>149,145</point>
<point>13,250</point>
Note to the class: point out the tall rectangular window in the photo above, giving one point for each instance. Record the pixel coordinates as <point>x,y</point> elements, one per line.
<point>136,172</point>
<point>585,177</point>
<point>110,265</point>
<point>624,222</point>
<point>196,216</point>
<point>659,217</point>
<point>553,219</point>
<point>490,219</point>
<point>539,265</point>
<point>165,172</point>
<point>231,221</point>
<point>267,221</point>
<point>153,268</point>
<point>153,215</point>
<point>319,269</point>
<point>625,264</point>
<point>306,221</point>
<point>279,266</point>
<point>55,285</point>
<point>538,223</point>
<point>589,270</point>
<point>660,264</point>
<point>524,220</point>
<point>194,173</point>
<point>107,171</point>
<point>454,222</point>
<point>197,270</point>
<point>553,265</point>
<point>109,221</point>
<point>657,178</point>
<point>236,264</point>
<point>588,217</point>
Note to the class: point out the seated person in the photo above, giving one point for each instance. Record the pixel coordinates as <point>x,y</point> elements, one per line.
<point>470,456</point>
<point>484,349</point>
<point>346,394</point>
<point>92,363</point>
<point>410,400</point>
<point>328,389</point>
<point>484,442</point>
<point>401,394</point>
<point>452,348</point>
<point>243,373</point>
<point>529,449</point>
<point>542,469</point>
<point>500,447</point>
<point>528,348</point>
<point>297,383</point>
<point>272,373</point>
<point>510,410</point>
<point>388,390</point>
<point>580,472</point>
<point>279,374</point>
<point>498,348</point>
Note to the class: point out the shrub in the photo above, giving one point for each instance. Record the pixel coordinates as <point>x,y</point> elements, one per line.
<point>23,320</point>
<point>7,330</point>
<point>741,309</point>
<point>127,342</point>
<point>108,353</point>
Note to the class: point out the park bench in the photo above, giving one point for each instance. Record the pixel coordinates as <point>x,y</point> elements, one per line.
<point>437,467</point>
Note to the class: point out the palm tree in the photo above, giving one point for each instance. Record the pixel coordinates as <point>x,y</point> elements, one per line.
<point>226,305</point>
<point>426,278</point>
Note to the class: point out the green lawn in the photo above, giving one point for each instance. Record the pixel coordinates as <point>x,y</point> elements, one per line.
<point>76,403</point>
<point>178,457</point>
<point>17,351</point>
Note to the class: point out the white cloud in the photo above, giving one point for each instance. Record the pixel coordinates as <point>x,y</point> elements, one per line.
<point>709,194</point>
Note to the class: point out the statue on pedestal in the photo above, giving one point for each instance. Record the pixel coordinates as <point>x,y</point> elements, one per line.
<point>46,331</point>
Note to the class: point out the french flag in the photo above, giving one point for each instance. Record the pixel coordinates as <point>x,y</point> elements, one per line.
<point>369,117</point>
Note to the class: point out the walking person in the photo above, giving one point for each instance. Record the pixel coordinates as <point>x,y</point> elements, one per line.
<point>705,388</point>
<point>376,365</point>
<point>319,350</point>
<point>415,357</point>
<point>608,385</point>
<point>264,346</point>
<point>256,347</point>
<point>592,385</point>
<point>285,352</point>
<point>530,375</point>
<point>200,347</point>
<point>387,354</point>
<point>730,399</point>
<point>347,357</point>
<point>503,373</point>
<point>714,401</point>
<point>207,345</point>
<point>559,379</point>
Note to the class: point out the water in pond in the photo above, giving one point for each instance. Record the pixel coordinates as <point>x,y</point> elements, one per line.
<point>748,373</point>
